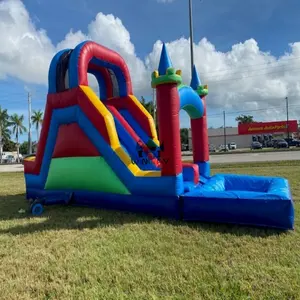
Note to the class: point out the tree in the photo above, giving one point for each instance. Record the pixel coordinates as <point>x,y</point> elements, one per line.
<point>148,105</point>
<point>150,108</point>
<point>184,136</point>
<point>4,131</point>
<point>9,145</point>
<point>243,119</point>
<point>17,128</point>
<point>24,148</point>
<point>37,120</point>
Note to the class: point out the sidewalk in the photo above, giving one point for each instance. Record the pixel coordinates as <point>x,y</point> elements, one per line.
<point>11,168</point>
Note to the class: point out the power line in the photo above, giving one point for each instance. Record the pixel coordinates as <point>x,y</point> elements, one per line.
<point>252,70</point>
<point>248,66</point>
<point>255,75</point>
<point>226,70</point>
<point>42,95</point>
<point>252,110</point>
<point>247,111</point>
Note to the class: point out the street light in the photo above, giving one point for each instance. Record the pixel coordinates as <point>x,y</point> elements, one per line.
<point>191,36</point>
<point>29,123</point>
<point>1,147</point>
<point>287,117</point>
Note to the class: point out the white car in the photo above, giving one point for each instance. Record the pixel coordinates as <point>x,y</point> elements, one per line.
<point>9,159</point>
<point>232,146</point>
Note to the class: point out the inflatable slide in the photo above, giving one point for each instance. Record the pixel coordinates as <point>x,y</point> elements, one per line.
<point>103,150</point>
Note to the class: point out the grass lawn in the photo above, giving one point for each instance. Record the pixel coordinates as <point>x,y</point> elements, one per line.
<point>83,253</point>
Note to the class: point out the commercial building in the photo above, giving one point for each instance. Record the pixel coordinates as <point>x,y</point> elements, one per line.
<point>244,133</point>
<point>217,137</point>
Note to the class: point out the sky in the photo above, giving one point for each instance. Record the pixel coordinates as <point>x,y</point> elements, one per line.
<point>248,52</point>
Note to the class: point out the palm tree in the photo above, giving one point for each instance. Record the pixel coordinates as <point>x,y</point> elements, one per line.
<point>4,131</point>
<point>37,120</point>
<point>148,105</point>
<point>150,108</point>
<point>17,128</point>
<point>243,119</point>
<point>5,134</point>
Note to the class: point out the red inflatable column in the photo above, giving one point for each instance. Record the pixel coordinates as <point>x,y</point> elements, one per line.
<point>200,137</point>
<point>168,107</point>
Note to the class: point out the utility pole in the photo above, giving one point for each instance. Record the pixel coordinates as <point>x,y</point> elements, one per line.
<point>1,145</point>
<point>154,106</point>
<point>224,126</point>
<point>29,124</point>
<point>287,117</point>
<point>191,36</point>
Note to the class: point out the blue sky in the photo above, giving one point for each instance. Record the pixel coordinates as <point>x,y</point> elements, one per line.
<point>272,23</point>
<point>224,22</point>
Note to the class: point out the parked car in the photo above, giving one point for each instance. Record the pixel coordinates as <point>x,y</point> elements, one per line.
<point>223,148</point>
<point>281,144</point>
<point>270,143</point>
<point>232,146</point>
<point>293,142</point>
<point>256,145</point>
<point>212,148</point>
<point>9,159</point>
<point>184,147</point>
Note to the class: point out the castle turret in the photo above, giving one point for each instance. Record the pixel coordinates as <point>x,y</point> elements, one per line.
<point>199,129</point>
<point>166,80</point>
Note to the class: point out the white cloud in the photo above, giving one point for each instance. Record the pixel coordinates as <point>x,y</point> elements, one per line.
<point>244,78</point>
<point>25,52</point>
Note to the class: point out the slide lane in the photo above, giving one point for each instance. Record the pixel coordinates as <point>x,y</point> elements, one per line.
<point>189,101</point>
<point>133,144</point>
<point>139,120</point>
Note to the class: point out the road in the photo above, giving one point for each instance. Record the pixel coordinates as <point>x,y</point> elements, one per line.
<point>11,168</point>
<point>252,157</point>
<point>221,158</point>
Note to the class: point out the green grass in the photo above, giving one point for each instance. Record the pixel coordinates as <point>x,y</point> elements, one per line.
<point>83,253</point>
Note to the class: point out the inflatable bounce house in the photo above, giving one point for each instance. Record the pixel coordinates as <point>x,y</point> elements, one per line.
<point>103,150</point>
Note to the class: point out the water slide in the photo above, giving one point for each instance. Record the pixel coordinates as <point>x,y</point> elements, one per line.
<point>87,152</point>
<point>113,126</point>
